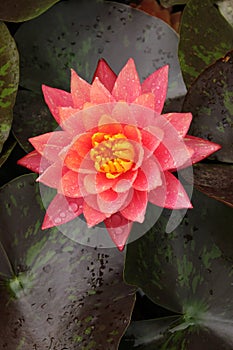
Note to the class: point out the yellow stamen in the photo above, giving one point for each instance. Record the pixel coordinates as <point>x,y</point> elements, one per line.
<point>112,154</point>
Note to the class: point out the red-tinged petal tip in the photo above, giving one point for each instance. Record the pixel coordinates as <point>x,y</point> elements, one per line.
<point>34,162</point>
<point>119,229</point>
<point>105,74</point>
<point>201,148</point>
<point>127,86</point>
<point>56,98</point>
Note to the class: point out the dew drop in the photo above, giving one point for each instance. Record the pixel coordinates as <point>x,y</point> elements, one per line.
<point>73,207</point>
<point>62,214</point>
<point>57,221</point>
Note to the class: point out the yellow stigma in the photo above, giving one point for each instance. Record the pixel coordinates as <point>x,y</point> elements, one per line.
<point>112,154</point>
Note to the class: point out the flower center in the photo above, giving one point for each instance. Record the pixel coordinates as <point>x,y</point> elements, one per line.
<point>112,154</point>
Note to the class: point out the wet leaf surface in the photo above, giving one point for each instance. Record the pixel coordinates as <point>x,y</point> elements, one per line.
<point>31,118</point>
<point>9,77</point>
<point>23,10</point>
<point>189,272</point>
<point>75,34</point>
<point>55,294</point>
<point>205,36</point>
<point>210,99</point>
<point>215,180</point>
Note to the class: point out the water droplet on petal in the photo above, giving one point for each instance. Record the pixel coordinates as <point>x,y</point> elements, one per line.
<point>62,215</point>
<point>74,207</point>
<point>57,221</point>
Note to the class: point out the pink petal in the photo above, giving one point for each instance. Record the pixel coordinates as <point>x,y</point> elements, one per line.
<point>56,98</point>
<point>110,202</point>
<point>109,125</point>
<point>201,148</point>
<point>34,162</point>
<point>71,120</point>
<point>125,181</point>
<point>105,74</point>
<point>61,210</point>
<point>69,185</point>
<point>146,100</point>
<point>96,183</point>
<point>157,83</point>
<point>136,209</point>
<point>122,113</point>
<point>171,194</point>
<point>149,176</point>
<point>92,216</point>
<point>50,145</point>
<point>99,94</point>
<point>127,86</point>
<point>52,175</point>
<point>80,90</point>
<point>119,229</point>
<point>132,133</point>
<point>151,138</point>
<point>180,121</point>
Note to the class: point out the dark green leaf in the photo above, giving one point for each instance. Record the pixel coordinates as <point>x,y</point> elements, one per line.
<point>7,149</point>
<point>31,118</point>
<point>189,272</point>
<point>210,99</point>
<point>75,34</point>
<point>205,36</point>
<point>9,77</point>
<point>55,293</point>
<point>215,180</point>
<point>23,10</point>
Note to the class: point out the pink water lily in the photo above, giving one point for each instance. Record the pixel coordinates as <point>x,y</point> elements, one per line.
<point>115,151</point>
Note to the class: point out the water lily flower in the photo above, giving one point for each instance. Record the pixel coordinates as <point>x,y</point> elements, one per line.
<point>114,151</point>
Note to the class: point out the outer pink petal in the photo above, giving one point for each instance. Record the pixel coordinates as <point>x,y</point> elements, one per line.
<point>92,216</point>
<point>151,138</point>
<point>110,202</point>
<point>201,148</point>
<point>80,90</point>
<point>157,83</point>
<point>99,93</point>
<point>34,162</point>
<point>69,185</point>
<point>149,176</point>
<point>171,194</point>
<point>56,98</point>
<point>146,100</point>
<point>50,145</point>
<point>136,209</point>
<point>52,175</point>
<point>105,74</point>
<point>61,210</point>
<point>180,121</point>
<point>119,229</point>
<point>127,86</point>
<point>71,120</point>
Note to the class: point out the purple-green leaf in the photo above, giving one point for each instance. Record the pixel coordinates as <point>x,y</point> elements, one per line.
<point>9,78</point>
<point>205,36</point>
<point>23,10</point>
<point>55,293</point>
<point>189,271</point>
<point>210,99</point>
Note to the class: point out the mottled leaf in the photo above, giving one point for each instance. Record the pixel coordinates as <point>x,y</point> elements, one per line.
<point>9,77</point>
<point>189,272</point>
<point>55,293</point>
<point>31,118</point>
<point>204,37</point>
<point>23,10</point>
<point>210,99</point>
<point>76,34</point>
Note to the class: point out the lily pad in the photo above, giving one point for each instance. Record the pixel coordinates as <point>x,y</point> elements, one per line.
<point>215,180</point>
<point>76,34</point>
<point>7,149</point>
<point>23,10</point>
<point>9,77</point>
<point>54,292</point>
<point>31,118</point>
<point>210,99</point>
<point>188,272</point>
<point>205,36</point>
<point>169,3</point>
<point>226,9</point>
